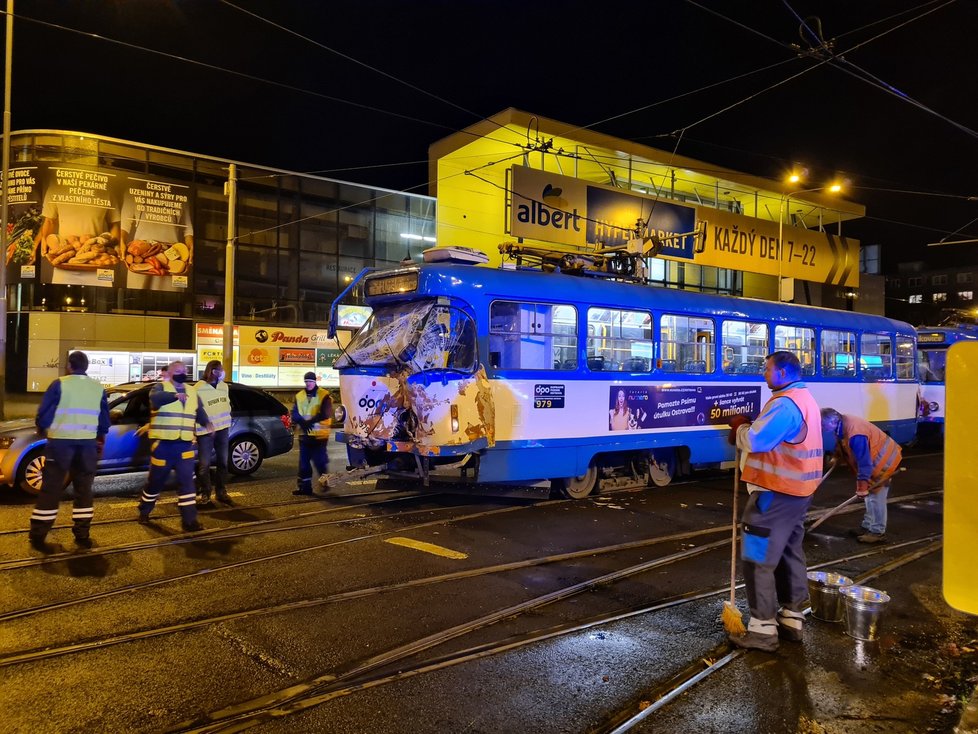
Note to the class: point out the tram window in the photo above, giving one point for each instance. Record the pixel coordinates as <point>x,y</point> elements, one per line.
<point>801,341</point>
<point>876,356</point>
<point>905,349</point>
<point>932,363</point>
<point>838,353</point>
<point>744,345</point>
<point>532,336</point>
<point>687,341</point>
<point>619,340</point>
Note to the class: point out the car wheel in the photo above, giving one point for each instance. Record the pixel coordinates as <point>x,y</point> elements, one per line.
<point>30,470</point>
<point>245,455</point>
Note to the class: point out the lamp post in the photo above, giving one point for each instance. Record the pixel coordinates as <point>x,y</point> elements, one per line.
<point>785,204</point>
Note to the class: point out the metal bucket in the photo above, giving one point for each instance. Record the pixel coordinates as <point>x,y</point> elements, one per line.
<point>823,590</point>
<point>864,609</point>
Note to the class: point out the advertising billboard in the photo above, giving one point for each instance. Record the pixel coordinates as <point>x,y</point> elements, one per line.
<point>78,225</point>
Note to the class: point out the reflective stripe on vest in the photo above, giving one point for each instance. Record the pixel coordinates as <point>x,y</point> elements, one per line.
<point>791,468</point>
<point>884,451</point>
<point>216,404</point>
<point>77,413</point>
<point>308,407</point>
<point>175,421</point>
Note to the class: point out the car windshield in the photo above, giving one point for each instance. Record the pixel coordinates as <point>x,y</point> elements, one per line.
<point>421,336</point>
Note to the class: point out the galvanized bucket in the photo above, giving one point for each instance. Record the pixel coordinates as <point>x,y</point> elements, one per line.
<point>823,590</point>
<point>864,610</point>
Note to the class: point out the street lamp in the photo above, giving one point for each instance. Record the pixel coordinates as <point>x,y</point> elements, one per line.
<point>785,204</point>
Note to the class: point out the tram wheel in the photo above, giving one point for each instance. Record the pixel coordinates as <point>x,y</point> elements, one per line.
<point>662,467</point>
<point>576,488</point>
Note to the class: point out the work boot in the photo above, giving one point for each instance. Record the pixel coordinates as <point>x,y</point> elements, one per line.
<point>143,519</point>
<point>224,498</point>
<point>872,538</point>
<point>85,542</point>
<point>192,527</point>
<point>755,641</point>
<point>302,492</point>
<point>203,499</point>
<point>790,625</point>
<point>38,543</point>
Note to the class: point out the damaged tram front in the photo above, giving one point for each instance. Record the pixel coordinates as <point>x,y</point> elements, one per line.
<point>414,398</point>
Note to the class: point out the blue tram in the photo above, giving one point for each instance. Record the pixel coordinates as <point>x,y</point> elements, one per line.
<point>932,345</point>
<point>489,375</point>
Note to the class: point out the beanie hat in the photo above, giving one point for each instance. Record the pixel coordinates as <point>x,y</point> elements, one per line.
<point>309,376</point>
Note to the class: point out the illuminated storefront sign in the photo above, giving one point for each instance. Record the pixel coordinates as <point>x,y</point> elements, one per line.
<point>554,208</point>
<point>745,243</point>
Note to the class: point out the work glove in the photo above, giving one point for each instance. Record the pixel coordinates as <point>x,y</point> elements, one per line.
<point>736,422</point>
<point>862,487</point>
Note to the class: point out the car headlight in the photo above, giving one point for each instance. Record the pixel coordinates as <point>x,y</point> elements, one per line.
<point>339,414</point>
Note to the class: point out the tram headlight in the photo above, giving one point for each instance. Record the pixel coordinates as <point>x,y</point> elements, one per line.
<point>454,419</point>
<point>933,407</point>
<point>339,414</point>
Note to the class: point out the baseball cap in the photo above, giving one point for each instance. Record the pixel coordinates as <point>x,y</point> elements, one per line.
<point>309,376</point>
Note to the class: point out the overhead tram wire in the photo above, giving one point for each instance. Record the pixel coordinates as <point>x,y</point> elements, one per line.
<point>365,65</point>
<point>250,77</point>
<point>825,55</point>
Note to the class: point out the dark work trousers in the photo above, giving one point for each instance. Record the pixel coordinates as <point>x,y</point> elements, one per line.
<point>312,452</point>
<point>775,573</point>
<point>64,457</point>
<point>216,443</point>
<point>164,457</point>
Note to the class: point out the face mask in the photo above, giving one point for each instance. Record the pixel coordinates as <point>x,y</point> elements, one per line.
<point>179,379</point>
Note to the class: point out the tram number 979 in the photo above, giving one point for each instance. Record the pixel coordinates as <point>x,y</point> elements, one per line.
<point>548,396</point>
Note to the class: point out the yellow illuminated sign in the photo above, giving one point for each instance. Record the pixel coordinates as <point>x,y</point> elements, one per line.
<point>960,478</point>
<point>745,243</point>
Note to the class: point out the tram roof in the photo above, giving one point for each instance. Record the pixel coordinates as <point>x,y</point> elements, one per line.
<point>533,285</point>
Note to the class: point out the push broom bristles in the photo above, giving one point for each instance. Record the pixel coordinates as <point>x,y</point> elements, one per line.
<point>733,621</point>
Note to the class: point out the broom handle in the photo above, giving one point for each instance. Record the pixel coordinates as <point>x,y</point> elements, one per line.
<point>733,531</point>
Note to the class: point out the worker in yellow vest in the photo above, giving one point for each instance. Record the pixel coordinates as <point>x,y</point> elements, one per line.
<point>311,414</point>
<point>176,411</point>
<point>74,415</point>
<point>212,392</point>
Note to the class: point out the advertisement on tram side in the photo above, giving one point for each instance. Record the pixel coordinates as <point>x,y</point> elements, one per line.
<point>632,407</point>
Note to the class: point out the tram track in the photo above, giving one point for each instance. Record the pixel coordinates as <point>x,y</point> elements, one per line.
<point>375,671</point>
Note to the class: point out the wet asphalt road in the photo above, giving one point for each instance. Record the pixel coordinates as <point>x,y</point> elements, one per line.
<point>329,614</point>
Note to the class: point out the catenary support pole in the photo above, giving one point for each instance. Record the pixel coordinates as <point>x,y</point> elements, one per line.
<point>4,175</point>
<point>231,191</point>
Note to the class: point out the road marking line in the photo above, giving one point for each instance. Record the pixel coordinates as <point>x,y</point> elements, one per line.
<point>427,548</point>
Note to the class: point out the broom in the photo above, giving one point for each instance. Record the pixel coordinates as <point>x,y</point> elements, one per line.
<point>733,621</point>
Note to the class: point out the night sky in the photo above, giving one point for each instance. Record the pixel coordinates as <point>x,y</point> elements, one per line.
<point>401,75</point>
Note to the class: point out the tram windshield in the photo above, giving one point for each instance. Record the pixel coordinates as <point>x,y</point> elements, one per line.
<point>419,336</point>
<point>931,363</point>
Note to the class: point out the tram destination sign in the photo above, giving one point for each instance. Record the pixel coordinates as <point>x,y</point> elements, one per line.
<point>390,284</point>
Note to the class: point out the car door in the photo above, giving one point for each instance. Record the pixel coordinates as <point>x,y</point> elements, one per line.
<point>125,448</point>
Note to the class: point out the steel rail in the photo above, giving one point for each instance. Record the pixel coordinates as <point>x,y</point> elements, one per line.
<point>368,674</point>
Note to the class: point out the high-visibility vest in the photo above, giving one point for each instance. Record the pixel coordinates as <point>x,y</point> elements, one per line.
<point>309,406</point>
<point>885,452</point>
<point>791,468</point>
<point>77,413</point>
<point>216,404</point>
<point>174,420</point>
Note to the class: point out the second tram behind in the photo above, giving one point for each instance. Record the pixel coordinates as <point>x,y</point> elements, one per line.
<point>483,375</point>
<point>932,345</point>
